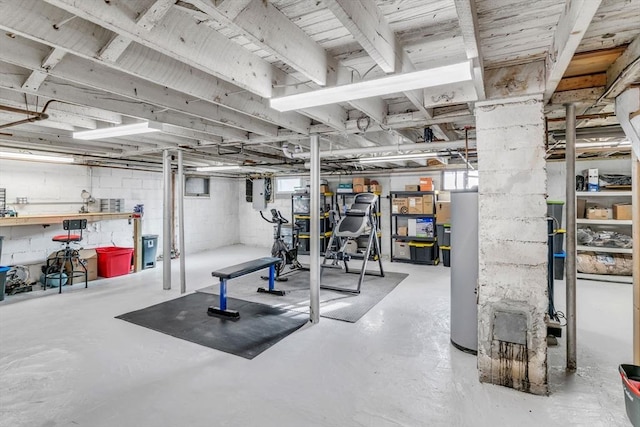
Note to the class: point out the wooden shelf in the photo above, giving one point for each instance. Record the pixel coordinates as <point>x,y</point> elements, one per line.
<point>604,221</point>
<point>603,193</point>
<point>58,218</point>
<point>605,278</point>
<point>603,249</point>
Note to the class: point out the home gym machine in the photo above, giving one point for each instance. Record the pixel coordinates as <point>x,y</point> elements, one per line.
<point>280,249</point>
<point>360,220</point>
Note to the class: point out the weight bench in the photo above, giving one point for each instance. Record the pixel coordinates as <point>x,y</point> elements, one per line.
<point>238,271</point>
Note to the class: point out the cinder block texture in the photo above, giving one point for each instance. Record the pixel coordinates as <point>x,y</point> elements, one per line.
<point>512,249</point>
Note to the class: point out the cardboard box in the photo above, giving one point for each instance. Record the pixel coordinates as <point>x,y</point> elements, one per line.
<point>415,205</point>
<point>87,256</point>
<point>375,188</point>
<point>581,208</point>
<point>411,188</point>
<point>443,212</point>
<point>425,227</point>
<point>411,229</point>
<point>358,188</point>
<point>400,205</point>
<point>360,181</point>
<point>426,184</point>
<point>622,211</point>
<point>592,180</point>
<point>403,230</point>
<point>324,189</point>
<point>599,213</point>
<point>427,204</point>
<point>401,250</point>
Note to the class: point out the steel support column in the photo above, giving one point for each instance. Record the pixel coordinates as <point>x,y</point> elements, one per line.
<point>167,208</point>
<point>570,158</point>
<point>314,268</point>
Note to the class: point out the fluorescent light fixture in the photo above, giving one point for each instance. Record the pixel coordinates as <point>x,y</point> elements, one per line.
<point>397,158</point>
<point>383,86</point>
<point>34,157</point>
<point>217,168</point>
<point>115,131</point>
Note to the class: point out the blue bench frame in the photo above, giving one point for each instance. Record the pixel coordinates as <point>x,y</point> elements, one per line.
<point>238,271</point>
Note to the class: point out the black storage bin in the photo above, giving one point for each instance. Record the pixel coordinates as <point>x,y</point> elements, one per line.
<point>149,250</point>
<point>558,266</point>
<point>423,252</point>
<point>446,255</point>
<point>554,209</point>
<point>446,241</point>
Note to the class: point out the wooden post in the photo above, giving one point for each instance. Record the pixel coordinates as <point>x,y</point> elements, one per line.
<point>137,244</point>
<point>635,167</point>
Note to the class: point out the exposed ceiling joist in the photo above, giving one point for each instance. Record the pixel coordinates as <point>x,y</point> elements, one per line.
<point>263,24</point>
<point>573,23</point>
<point>624,71</point>
<point>180,37</point>
<point>468,19</point>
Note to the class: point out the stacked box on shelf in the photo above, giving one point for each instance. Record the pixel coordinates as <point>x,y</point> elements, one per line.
<point>413,236</point>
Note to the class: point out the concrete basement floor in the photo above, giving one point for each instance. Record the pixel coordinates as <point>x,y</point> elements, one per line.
<point>66,361</point>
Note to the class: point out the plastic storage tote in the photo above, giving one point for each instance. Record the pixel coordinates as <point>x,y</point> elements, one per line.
<point>3,280</point>
<point>114,261</point>
<point>631,385</point>
<point>423,252</point>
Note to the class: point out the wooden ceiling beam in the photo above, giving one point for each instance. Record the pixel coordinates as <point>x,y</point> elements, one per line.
<point>81,71</point>
<point>36,78</point>
<point>573,23</point>
<point>85,39</point>
<point>624,71</point>
<point>371,30</point>
<point>180,37</point>
<point>468,18</point>
<point>264,25</point>
<point>11,78</point>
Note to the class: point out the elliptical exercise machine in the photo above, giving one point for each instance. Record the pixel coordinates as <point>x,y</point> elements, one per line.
<point>280,249</point>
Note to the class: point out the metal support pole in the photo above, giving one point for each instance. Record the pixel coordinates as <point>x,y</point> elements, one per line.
<point>314,267</point>
<point>166,221</point>
<point>183,279</point>
<point>570,159</point>
<point>635,201</point>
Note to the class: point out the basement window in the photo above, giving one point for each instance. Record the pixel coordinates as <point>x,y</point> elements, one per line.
<point>288,185</point>
<point>455,180</point>
<point>196,186</point>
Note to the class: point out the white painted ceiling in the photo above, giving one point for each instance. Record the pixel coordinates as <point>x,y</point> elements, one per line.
<point>206,69</point>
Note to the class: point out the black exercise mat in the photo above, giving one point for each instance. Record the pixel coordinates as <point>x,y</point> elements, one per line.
<point>258,328</point>
<point>334,305</point>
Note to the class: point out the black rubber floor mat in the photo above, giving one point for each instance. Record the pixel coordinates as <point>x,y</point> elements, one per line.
<point>334,305</point>
<point>258,328</point>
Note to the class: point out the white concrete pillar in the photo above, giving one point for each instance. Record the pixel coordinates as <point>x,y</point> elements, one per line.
<point>512,291</point>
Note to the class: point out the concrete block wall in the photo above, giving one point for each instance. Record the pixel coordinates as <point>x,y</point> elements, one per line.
<point>209,222</point>
<point>512,243</point>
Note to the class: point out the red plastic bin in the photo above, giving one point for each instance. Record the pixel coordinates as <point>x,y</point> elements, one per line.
<point>114,261</point>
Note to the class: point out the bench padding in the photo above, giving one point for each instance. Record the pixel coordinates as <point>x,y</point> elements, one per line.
<point>245,268</point>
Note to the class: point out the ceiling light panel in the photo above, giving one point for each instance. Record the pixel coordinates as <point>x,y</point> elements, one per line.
<point>387,85</point>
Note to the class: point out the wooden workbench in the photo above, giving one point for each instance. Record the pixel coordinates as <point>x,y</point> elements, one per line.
<point>12,221</point>
<point>15,221</point>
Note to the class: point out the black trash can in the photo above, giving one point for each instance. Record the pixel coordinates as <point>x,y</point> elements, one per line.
<point>149,250</point>
<point>3,279</point>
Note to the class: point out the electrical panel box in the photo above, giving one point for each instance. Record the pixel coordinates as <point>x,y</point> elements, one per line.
<point>259,199</point>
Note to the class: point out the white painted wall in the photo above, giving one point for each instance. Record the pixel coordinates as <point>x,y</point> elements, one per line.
<point>209,222</point>
<point>256,232</point>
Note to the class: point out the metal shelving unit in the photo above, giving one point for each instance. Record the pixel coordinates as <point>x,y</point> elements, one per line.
<point>605,224</point>
<point>395,237</point>
<point>300,203</point>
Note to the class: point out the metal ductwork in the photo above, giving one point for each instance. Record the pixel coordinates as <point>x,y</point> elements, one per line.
<point>425,146</point>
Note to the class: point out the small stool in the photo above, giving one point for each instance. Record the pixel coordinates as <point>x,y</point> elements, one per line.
<point>68,255</point>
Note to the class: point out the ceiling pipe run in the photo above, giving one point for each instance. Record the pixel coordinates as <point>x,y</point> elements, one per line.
<point>423,146</point>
